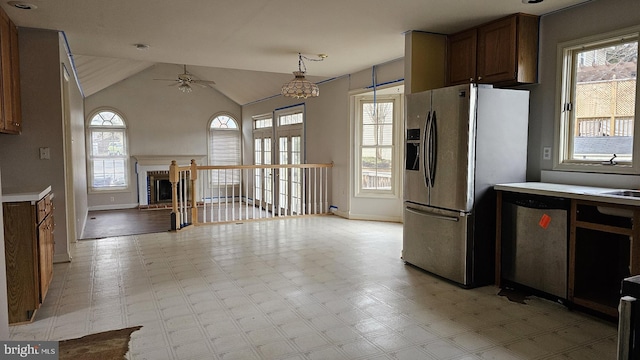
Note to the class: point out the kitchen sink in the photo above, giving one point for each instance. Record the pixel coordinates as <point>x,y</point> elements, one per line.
<point>628,193</point>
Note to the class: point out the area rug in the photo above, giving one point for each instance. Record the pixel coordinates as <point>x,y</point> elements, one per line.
<point>108,345</point>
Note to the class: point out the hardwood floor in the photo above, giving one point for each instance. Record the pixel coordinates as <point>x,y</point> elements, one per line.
<point>109,223</point>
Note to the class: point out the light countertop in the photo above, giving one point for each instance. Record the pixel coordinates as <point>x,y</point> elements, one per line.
<point>18,195</point>
<point>589,193</point>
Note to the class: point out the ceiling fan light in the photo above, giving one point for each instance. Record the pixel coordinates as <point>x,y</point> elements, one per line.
<point>185,88</point>
<point>299,87</point>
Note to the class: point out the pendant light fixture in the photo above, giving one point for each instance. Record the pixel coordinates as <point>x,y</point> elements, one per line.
<point>299,87</point>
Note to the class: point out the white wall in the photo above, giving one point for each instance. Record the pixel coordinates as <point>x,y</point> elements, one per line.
<point>585,20</point>
<point>161,120</point>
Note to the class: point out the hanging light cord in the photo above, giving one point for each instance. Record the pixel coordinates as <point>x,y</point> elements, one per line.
<point>301,64</point>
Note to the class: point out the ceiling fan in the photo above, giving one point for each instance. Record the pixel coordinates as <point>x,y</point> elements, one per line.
<point>185,80</point>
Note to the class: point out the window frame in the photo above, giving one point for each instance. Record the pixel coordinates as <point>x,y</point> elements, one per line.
<point>90,157</point>
<point>235,177</point>
<point>563,136</point>
<point>397,124</point>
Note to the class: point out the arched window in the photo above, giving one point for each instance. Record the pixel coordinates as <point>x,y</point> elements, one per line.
<point>224,143</point>
<point>108,154</point>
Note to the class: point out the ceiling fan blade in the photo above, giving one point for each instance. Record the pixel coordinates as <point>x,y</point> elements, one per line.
<point>166,79</point>
<point>210,82</point>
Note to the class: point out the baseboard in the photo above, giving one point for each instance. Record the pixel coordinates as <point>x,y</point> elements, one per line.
<point>61,258</point>
<point>113,207</point>
<point>370,217</point>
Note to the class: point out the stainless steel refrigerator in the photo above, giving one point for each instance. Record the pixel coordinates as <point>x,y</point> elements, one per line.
<point>459,142</point>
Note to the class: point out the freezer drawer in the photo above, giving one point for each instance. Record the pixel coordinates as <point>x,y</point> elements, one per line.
<point>436,240</point>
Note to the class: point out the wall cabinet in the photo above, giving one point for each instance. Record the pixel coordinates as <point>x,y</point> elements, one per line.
<point>29,242</point>
<point>10,113</point>
<point>503,52</point>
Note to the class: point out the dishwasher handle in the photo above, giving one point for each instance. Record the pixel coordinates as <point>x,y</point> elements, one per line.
<point>534,201</point>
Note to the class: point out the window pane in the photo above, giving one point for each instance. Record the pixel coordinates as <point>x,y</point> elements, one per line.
<point>604,104</point>
<point>223,122</point>
<point>290,119</point>
<point>107,118</point>
<point>376,168</point>
<point>109,173</point>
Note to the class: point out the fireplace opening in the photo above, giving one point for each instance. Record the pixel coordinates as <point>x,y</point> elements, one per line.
<point>159,187</point>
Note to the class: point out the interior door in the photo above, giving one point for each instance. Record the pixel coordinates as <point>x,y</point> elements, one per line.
<point>454,127</point>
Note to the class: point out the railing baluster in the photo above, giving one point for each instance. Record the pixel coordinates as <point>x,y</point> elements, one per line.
<point>303,190</point>
<point>203,191</point>
<point>211,195</point>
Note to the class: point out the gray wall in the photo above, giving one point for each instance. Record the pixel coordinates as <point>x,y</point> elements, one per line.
<point>593,18</point>
<point>161,120</point>
<point>41,55</point>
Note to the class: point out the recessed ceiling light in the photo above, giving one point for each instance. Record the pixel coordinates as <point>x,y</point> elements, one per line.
<point>141,46</point>
<point>22,5</point>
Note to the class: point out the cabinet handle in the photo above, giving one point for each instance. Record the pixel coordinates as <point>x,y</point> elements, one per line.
<point>479,78</point>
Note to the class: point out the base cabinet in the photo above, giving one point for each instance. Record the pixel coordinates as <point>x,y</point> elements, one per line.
<point>29,242</point>
<point>602,253</point>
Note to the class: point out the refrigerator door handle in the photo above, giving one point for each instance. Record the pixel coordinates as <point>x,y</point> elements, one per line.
<point>425,150</point>
<point>425,213</point>
<point>433,149</point>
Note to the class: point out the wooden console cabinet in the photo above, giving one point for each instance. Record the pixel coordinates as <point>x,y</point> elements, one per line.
<point>29,242</point>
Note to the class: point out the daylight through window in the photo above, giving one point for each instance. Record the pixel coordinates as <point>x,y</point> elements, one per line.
<point>598,112</point>
<point>108,153</point>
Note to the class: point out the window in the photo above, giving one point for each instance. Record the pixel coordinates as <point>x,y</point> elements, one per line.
<point>108,160</point>
<point>377,145</point>
<point>224,147</point>
<point>598,104</point>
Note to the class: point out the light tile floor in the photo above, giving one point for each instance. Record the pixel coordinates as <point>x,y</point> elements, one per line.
<point>303,288</point>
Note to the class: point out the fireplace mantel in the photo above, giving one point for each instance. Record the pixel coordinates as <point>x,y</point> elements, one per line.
<point>147,160</point>
<point>145,163</point>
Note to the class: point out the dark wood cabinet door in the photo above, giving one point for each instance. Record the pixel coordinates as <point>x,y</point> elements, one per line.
<point>461,53</point>
<point>497,51</point>
<point>15,79</point>
<point>45,251</point>
<point>5,74</point>
<point>21,257</point>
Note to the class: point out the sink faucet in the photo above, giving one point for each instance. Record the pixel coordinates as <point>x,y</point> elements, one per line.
<point>611,161</point>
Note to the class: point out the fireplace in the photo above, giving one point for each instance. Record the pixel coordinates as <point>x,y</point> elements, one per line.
<point>159,187</point>
<point>154,187</point>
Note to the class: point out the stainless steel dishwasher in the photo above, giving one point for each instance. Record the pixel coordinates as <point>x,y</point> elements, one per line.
<point>534,243</point>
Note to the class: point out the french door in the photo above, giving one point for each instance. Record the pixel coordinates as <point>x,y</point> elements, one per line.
<point>280,190</point>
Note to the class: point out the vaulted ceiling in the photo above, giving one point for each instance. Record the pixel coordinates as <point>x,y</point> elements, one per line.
<point>250,47</point>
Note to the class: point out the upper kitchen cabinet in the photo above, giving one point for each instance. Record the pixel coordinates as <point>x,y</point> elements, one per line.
<point>10,113</point>
<point>503,52</point>
<point>425,61</point>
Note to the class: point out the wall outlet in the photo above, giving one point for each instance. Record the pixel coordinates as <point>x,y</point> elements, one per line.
<point>546,153</point>
<point>45,153</point>
<point>113,199</point>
